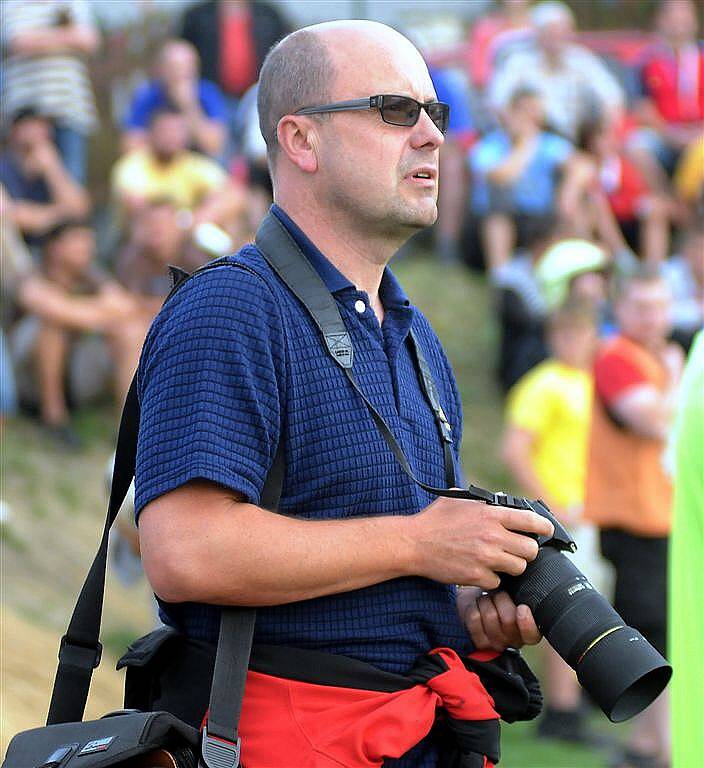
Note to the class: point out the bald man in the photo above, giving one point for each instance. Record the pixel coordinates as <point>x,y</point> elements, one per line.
<point>358,561</point>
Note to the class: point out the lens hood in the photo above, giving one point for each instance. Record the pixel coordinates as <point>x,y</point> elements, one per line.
<point>623,673</point>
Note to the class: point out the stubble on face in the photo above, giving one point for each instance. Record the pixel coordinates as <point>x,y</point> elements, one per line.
<point>366,162</point>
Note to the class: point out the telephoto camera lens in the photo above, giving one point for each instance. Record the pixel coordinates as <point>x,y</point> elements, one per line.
<point>619,668</point>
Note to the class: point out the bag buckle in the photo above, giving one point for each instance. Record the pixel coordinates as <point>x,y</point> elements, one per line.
<point>77,655</point>
<point>216,752</point>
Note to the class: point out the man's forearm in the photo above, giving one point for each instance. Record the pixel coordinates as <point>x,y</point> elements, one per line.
<point>259,557</point>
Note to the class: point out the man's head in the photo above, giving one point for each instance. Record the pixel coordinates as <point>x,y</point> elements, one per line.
<point>157,233</point>
<point>354,164</point>
<point>642,307</point>
<point>572,334</point>
<point>676,21</point>
<point>69,250</point>
<point>525,111</point>
<point>554,26</point>
<point>177,60</point>
<point>28,130</point>
<point>168,134</point>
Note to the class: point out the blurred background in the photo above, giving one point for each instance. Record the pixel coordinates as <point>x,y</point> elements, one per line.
<point>569,248</point>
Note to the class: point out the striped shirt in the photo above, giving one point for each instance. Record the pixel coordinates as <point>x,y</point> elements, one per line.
<point>56,85</point>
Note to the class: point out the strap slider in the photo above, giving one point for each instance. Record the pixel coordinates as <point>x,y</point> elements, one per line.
<point>216,752</point>
<point>77,655</point>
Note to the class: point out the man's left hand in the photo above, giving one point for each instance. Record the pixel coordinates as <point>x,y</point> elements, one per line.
<point>494,622</point>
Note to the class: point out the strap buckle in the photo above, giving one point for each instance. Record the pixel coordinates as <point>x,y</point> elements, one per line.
<point>77,655</point>
<point>216,752</point>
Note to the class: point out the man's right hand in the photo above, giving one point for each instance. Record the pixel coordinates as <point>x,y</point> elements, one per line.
<point>470,542</point>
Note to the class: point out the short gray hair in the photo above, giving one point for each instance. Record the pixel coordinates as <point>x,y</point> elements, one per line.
<point>297,72</point>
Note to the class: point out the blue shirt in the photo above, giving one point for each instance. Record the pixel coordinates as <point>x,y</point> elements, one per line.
<point>151,96</point>
<point>533,192</point>
<point>232,364</point>
<point>452,88</point>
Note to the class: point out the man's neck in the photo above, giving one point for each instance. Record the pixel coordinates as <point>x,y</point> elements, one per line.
<point>360,257</point>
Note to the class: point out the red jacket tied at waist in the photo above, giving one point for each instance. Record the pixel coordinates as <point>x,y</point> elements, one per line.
<point>293,724</point>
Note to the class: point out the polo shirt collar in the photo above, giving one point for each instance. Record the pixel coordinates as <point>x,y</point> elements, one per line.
<point>332,277</point>
<point>391,293</point>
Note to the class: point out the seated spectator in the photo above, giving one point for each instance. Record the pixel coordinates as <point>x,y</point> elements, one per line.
<point>177,84</point>
<point>156,241</point>
<point>42,191</point>
<point>571,80</point>
<point>684,274</point>
<point>44,348</point>
<point>232,38</point>
<point>496,36</point>
<point>545,448</point>
<point>44,44</point>
<point>671,108</point>
<point>451,88</point>
<point>521,172</point>
<point>166,168</point>
<point>643,215</point>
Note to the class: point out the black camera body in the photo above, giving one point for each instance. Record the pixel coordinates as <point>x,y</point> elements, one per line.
<point>619,668</point>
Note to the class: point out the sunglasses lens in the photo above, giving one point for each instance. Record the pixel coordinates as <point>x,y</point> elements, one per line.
<point>400,110</point>
<point>439,113</point>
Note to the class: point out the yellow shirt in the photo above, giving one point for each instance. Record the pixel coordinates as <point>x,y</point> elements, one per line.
<point>186,180</point>
<point>689,175</point>
<point>553,402</point>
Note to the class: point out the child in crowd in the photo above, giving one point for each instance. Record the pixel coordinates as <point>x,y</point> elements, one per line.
<point>545,448</point>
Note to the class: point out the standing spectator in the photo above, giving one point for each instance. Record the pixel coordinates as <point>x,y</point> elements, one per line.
<point>521,172</point>
<point>232,38</point>
<point>545,448</point>
<point>642,214</point>
<point>686,574</point>
<point>672,80</point>
<point>41,189</point>
<point>166,168</point>
<point>629,494</point>
<point>496,36</point>
<point>44,43</point>
<point>572,81</point>
<point>178,84</point>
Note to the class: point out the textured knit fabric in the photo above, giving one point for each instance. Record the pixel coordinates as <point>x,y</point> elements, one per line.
<point>232,364</point>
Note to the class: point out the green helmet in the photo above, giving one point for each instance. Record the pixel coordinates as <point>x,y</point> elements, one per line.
<point>564,261</point>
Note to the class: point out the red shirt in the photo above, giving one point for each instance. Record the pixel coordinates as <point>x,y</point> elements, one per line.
<point>238,65</point>
<point>674,80</point>
<point>624,186</point>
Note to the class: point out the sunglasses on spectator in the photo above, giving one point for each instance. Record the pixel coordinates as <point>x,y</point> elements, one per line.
<point>395,110</point>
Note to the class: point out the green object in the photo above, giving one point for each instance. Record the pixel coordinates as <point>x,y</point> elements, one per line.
<point>687,569</point>
<point>564,261</point>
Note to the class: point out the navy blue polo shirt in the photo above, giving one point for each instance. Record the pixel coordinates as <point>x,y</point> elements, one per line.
<point>231,365</point>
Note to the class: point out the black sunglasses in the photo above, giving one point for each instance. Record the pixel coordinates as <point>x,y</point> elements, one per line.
<point>396,110</point>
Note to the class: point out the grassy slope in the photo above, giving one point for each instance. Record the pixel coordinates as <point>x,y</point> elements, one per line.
<point>57,502</point>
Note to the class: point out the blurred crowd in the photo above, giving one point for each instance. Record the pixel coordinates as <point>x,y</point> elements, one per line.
<point>572,176</point>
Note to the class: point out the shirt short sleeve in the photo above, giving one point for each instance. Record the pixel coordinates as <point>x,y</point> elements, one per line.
<point>529,403</point>
<point>212,101</point>
<point>615,374</point>
<point>210,387</point>
<point>487,154</point>
<point>557,149</point>
<point>146,99</point>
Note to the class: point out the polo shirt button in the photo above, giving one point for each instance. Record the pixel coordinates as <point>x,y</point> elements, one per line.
<point>360,306</point>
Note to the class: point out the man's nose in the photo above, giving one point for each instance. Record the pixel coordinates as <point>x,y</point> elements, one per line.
<point>426,133</point>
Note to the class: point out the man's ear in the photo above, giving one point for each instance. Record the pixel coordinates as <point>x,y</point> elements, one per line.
<point>298,141</point>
